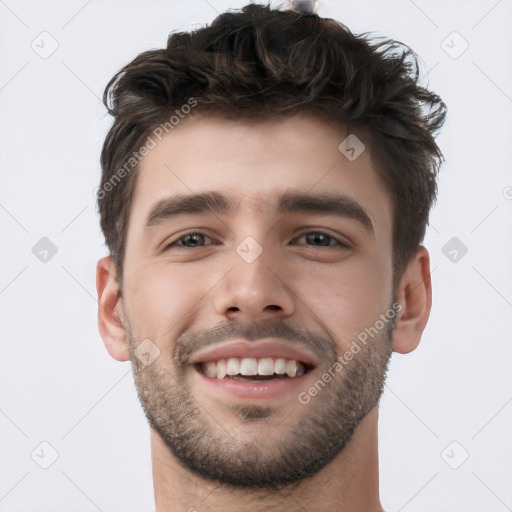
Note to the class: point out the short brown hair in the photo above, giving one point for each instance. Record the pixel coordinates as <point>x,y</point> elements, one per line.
<point>260,63</point>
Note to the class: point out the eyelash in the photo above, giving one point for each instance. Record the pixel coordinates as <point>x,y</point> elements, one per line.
<point>175,243</point>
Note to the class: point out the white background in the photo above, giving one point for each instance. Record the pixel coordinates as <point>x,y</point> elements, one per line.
<point>59,385</point>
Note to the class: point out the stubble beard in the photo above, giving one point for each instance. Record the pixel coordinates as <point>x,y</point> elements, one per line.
<point>321,430</point>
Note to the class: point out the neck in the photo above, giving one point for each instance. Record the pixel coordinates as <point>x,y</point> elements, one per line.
<point>349,483</point>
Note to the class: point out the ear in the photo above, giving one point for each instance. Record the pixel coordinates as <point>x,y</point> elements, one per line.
<point>415,295</point>
<point>110,310</point>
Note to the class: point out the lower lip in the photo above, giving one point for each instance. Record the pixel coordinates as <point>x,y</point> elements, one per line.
<point>255,389</point>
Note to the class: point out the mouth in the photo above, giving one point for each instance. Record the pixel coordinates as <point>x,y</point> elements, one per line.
<point>251,369</point>
<point>253,378</point>
<point>270,368</point>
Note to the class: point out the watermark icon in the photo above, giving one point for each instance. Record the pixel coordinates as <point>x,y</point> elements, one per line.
<point>249,249</point>
<point>507,193</point>
<point>44,455</point>
<point>304,397</point>
<point>352,147</point>
<point>455,455</point>
<point>44,250</point>
<point>45,45</point>
<point>454,45</point>
<point>147,352</point>
<point>151,142</point>
<point>454,249</point>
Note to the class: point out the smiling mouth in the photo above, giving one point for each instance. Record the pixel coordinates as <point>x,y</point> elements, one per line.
<point>252,369</point>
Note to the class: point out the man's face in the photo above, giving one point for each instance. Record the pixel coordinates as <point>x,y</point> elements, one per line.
<point>270,278</point>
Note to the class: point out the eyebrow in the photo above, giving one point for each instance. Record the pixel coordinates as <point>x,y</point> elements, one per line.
<point>289,202</point>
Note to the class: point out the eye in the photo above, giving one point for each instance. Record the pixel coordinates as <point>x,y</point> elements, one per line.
<point>189,241</point>
<point>319,239</point>
<point>198,239</point>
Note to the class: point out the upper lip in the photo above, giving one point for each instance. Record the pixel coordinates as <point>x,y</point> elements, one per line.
<point>256,349</point>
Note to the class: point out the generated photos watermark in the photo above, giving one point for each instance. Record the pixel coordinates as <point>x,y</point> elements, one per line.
<point>151,142</point>
<point>304,397</point>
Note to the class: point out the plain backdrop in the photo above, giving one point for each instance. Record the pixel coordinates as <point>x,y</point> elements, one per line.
<point>446,416</point>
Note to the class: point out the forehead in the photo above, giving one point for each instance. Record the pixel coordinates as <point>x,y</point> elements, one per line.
<point>255,162</point>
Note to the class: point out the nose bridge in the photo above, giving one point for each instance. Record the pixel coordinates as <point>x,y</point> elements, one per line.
<point>254,286</point>
<point>253,263</point>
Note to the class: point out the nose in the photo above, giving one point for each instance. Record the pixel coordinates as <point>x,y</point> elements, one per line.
<point>256,290</point>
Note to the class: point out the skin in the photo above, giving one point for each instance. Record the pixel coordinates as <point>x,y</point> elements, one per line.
<point>332,292</point>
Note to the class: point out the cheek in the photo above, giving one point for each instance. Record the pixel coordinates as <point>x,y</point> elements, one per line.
<point>162,298</point>
<point>350,298</point>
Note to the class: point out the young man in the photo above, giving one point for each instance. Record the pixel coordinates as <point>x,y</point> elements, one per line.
<point>266,186</point>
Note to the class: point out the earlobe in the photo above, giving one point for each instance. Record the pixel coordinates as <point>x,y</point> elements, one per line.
<point>110,310</point>
<point>415,295</point>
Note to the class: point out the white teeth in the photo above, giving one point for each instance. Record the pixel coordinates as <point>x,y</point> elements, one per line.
<point>280,366</point>
<point>221,369</point>
<point>233,366</point>
<point>266,366</point>
<point>211,369</point>
<point>248,366</point>
<point>291,368</point>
